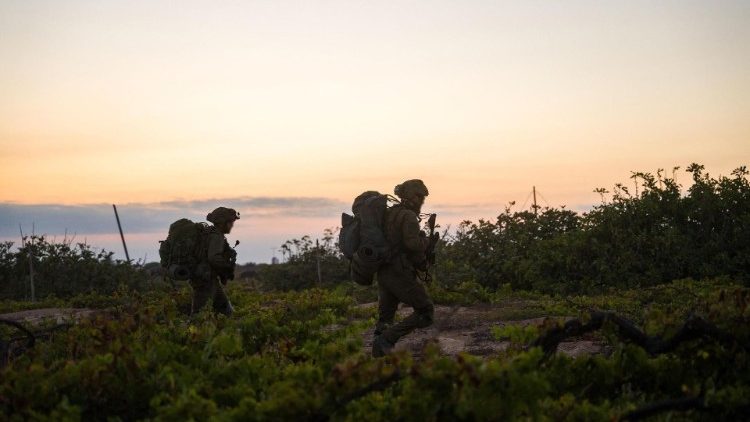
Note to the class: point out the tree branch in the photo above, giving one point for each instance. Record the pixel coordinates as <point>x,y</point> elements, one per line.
<point>694,328</point>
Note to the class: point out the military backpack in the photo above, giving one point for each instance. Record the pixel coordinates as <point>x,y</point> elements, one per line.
<point>184,248</point>
<point>362,238</point>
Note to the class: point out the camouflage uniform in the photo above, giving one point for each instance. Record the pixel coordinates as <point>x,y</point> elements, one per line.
<point>397,279</point>
<point>217,268</point>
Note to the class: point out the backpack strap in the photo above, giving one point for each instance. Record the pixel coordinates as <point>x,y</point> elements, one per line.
<point>206,231</point>
<point>392,221</point>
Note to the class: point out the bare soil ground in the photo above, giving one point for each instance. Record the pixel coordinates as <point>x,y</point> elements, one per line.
<point>58,315</point>
<point>468,329</point>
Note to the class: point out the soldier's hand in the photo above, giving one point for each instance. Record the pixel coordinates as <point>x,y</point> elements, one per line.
<point>425,276</point>
<point>225,275</point>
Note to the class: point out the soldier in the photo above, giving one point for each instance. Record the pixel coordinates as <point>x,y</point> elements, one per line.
<point>218,267</point>
<point>397,278</point>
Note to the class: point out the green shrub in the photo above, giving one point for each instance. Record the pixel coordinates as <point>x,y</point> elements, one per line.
<point>634,240</point>
<point>64,270</point>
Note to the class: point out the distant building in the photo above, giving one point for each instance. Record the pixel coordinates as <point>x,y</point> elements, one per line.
<point>274,260</point>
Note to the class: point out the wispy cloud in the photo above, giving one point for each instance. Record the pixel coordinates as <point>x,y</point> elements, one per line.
<point>149,217</point>
<point>261,206</point>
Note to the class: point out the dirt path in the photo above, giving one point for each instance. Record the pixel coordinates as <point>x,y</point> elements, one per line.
<point>468,329</point>
<point>59,315</point>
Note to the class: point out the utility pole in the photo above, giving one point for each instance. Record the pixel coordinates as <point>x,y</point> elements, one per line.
<point>535,206</point>
<point>122,236</point>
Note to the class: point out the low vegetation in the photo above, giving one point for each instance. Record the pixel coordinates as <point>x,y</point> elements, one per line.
<point>299,356</point>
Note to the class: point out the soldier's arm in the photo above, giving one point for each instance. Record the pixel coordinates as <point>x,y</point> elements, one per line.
<point>414,242</point>
<point>216,257</point>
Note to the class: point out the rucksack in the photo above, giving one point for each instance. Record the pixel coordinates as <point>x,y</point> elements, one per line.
<point>362,238</point>
<point>184,248</point>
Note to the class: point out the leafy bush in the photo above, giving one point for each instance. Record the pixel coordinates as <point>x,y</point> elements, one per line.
<point>634,240</point>
<point>64,270</point>
<point>303,258</point>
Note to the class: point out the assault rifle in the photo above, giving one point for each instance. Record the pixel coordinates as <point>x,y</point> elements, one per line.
<point>232,256</point>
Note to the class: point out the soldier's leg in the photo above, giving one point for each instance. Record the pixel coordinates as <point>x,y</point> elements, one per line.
<point>413,293</point>
<point>387,306</point>
<point>221,302</point>
<point>202,292</point>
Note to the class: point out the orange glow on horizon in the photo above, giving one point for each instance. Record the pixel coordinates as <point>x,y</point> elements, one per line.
<point>139,102</point>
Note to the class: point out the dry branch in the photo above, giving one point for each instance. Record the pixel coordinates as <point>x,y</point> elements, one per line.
<point>694,328</point>
<point>30,337</point>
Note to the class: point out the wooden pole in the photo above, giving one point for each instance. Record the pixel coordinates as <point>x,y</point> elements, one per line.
<point>122,236</point>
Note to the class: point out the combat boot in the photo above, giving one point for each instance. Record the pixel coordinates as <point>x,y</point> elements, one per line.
<point>381,347</point>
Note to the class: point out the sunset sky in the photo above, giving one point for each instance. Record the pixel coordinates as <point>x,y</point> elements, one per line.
<point>287,110</point>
